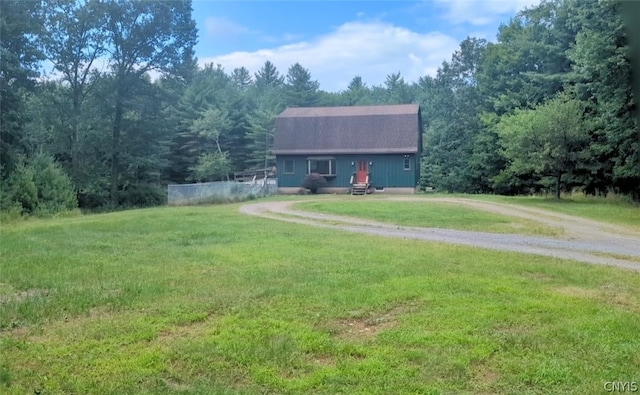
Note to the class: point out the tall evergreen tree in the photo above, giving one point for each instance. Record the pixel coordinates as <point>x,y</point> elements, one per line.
<point>262,130</point>
<point>301,90</point>
<point>357,93</point>
<point>268,76</point>
<point>452,107</point>
<point>241,77</point>
<point>398,91</point>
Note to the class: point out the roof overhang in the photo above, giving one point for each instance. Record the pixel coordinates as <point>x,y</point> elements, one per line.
<point>407,150</point>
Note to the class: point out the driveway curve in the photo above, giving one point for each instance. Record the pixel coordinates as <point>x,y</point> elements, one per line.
<point>583,239</point>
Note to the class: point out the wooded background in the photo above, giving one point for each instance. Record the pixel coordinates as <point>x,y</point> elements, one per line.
<point>547,107</point>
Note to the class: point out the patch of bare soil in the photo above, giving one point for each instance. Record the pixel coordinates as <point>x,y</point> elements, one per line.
<point>623,299</point>
<point>582,239</point>
<point>485,377</point>
<point>360,326</point>
<point>176,385</point>
<point>186,330</point>
<point>356,329</point>
<point>577,292</point>
<point>24,295</point>
<point>324,360</point>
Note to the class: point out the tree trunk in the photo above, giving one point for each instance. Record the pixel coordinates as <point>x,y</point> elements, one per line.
<point>220,152</point>
<point>115,168</point>
<point>558,177</point>
<point>75,150</point>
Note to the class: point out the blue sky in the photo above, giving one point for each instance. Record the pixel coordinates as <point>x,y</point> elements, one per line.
<point>336,40</point>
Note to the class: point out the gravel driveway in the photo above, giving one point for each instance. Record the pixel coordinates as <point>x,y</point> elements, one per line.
<point>583,240</point>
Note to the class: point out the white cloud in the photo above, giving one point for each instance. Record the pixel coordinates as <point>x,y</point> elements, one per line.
<point>372,50</point>
<point>285,37</point>
<point>482,12</point>
<point>224,27</point>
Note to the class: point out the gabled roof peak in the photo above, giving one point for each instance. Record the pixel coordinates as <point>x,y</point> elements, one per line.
<point>350,111</point>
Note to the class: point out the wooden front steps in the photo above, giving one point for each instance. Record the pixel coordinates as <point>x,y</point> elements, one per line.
<point>359,189</point>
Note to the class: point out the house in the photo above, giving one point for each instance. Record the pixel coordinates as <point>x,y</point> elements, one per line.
<point>356,149</point>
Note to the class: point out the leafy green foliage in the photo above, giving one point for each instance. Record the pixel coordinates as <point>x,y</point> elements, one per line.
<point>39,186</point>
<point>260,136</point>
<point>142,195</point>
<point>212,166</point>
<point>555,47</point>
<point>545,141</point>
<point>602,64</point>
<point>19,22</point>
<point>212,124</point>
<point>144,36</point>
<point>72,40</point>
<point>114,131</point>
<point>451,104</point>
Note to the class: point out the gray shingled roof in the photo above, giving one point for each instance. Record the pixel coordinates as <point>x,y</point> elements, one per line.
<point>343,130</point>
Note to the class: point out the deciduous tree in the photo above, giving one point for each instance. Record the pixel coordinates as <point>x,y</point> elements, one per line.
<point>546,141</point>
<point>143,36</point>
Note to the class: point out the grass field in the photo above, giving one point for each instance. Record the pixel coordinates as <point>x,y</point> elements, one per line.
<point>612,210</point>
<point>430,214</point>
<point>202,300</point>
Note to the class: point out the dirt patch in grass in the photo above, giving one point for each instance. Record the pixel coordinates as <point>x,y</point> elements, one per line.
<point>537,276</point>
<point>26,294</point>
<point>577,292</point>
<point>190,329</point>
<point>100,312</point>
<point>324,360</point>
<point>361,325</point>
<point>624,301</point>
<point>484,378</point>
<point>624,297</point>
<point>607,294</point>
<point>175,385</point>
<point>363,328</point>
<point>508,330</point>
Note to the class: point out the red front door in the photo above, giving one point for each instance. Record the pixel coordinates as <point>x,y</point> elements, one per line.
<point>362,171</point>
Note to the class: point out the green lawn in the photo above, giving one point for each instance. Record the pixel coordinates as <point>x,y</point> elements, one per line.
<point>430,214</point>
<point>612,210</point>
<point>201,300</point>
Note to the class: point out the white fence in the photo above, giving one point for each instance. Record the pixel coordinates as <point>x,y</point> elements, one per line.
<point>219,192</point>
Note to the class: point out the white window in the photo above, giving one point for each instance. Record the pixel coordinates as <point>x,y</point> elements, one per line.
<point>322,166</point>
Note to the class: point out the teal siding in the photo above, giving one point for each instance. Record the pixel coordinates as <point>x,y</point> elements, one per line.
<point>385,170</point>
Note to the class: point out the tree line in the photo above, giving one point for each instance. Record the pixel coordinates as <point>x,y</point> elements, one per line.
<point>126,110</point>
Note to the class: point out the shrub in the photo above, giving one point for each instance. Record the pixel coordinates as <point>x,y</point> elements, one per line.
<point>313,181</point>
<point>55,189</point>
<point>142,195</point>
<point>21,189</point>
<point>39,186</point>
